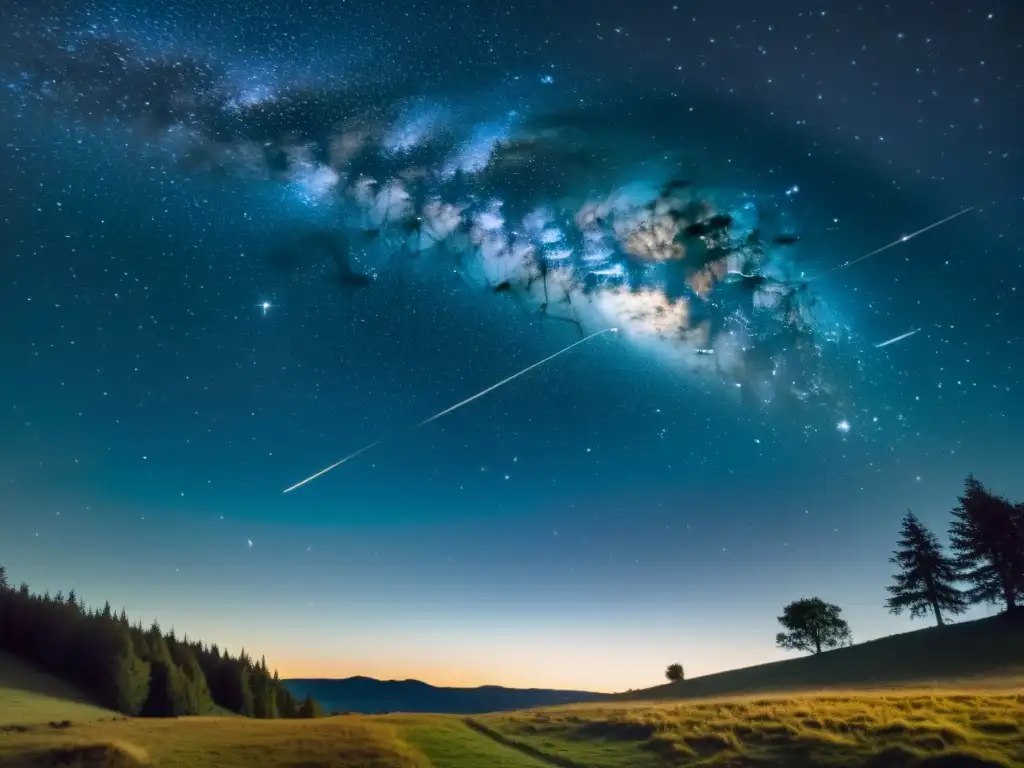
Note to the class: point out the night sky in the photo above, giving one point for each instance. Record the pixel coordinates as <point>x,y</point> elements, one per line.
<point>242,240</point>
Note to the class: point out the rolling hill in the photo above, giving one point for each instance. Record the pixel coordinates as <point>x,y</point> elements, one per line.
<point>987,653</point>
<point>367,695</point>
<point>28,696</point>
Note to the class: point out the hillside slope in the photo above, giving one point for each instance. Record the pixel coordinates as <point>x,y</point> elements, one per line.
<point>28,696</point>
<point>367,695</point>
<point>985,653</point>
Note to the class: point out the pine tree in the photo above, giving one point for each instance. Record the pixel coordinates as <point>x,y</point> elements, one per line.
<point>168,690</point>
<point>3,579</point>
<point>927,576</point>
<point>311,708</point>
<point>987,537</point>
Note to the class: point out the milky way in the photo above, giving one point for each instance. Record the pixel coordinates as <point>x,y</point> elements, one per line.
<point>580,216</point>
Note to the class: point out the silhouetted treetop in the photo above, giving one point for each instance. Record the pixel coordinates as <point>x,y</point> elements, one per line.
<point>926,578</point>
<point>813,625</point>
<point>987,538</point>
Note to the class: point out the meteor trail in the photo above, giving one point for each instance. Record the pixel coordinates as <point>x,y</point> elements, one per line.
<point>513,376</point>
<point>901,337</point>
<point>335,464</point>
<point>454,407</point>
<point>893,244</point>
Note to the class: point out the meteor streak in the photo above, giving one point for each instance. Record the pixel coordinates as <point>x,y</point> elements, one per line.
<point>894,243</point>
<point>458,405</point>
<point>901,337</point>
<point>503,382</point>
<point>335,464</point>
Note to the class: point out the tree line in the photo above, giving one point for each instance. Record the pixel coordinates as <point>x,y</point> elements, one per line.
<point>985,564</point>
<point>138,671</point>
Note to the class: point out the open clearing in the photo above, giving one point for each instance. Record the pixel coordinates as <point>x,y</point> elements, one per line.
<point>952,730</point>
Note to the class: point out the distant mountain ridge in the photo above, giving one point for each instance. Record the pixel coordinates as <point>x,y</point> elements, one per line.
<point>367,695</point>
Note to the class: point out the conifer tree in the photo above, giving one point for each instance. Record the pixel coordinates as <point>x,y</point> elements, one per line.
<point>168,689</point>
<point>926,579</point>
<point>987,537</point>
<point>310,708</point>
<point>3,578</point>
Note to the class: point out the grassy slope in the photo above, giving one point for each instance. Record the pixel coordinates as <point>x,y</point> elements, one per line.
<point>28,696</point>
<point>892,730</point>
<point>984,654</point>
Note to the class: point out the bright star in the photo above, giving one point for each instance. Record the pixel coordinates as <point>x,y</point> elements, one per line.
<point>843,426</point>
<point>265,306</point>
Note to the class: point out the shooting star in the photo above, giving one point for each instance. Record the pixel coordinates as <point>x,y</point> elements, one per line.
<point>893,244</point>
<point>458,405</point>
<point>901,337</point>
<point>334,465</point>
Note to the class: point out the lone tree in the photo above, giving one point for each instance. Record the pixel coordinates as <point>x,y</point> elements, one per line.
<point>675,673</point>
<point>813,625</point>
<point>3,578</point>
<point>926,577</point>
<point>987,537</point>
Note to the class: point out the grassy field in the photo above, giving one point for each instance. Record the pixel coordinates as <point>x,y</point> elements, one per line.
<point>951,730</point>
<point>28,697</point>
<point>940,729</point>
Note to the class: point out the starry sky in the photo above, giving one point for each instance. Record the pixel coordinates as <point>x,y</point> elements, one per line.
<point>242,240</point>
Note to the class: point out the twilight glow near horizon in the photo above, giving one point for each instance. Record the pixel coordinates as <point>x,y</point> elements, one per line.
<point>235,254</point>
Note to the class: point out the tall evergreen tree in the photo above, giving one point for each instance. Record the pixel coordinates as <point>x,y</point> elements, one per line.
<point>987,537</point>
<point>3,578</point>
<point>926,579</point>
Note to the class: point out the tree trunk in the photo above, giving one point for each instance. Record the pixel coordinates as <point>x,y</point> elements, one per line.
<point>817,644</point>
<point>938,613</point>
<point>1008,591</point>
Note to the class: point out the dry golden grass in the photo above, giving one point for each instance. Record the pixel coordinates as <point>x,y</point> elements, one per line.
<point>215,742</point>
<point>883,729</point>
<point>212,742</point>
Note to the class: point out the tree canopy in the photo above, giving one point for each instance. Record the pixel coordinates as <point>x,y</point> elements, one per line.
<point>987,538</point>
<point>812,625</point>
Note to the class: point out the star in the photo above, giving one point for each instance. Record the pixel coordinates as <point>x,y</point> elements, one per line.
<point>843,426</point>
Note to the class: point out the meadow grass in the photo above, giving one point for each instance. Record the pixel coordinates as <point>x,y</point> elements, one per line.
<point>214,742</point>
<point>28,697</point>
<point>863,729</point>
<point>446,741</point>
